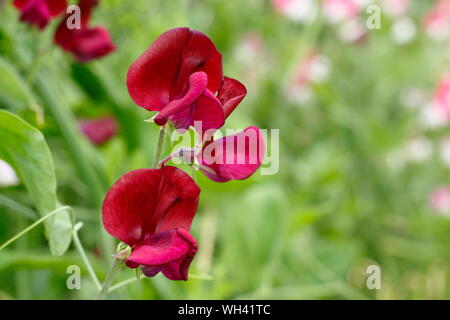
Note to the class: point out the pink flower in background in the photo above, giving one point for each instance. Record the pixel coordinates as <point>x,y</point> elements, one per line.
<point>437,112</point>
<point>99,130</point>
<point>39,12</point>
<point>395,8</point>
<point>314,68</point>
<point>340,10</point>
<point>180,76</point>
<point>297,10</point>
<point>437,21</point>
<point>88,42</point>
<point>151,210</point>
<point>234,157</point>
<point>439,200</point>
<point>252,56</point>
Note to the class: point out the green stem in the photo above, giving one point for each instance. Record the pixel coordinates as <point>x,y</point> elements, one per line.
<point>32,226</point>
<point>81,251</point>
<point>159,146</point>
<point>109,277</point>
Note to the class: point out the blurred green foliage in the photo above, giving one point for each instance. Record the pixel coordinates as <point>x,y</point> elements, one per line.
<point>308,232</point>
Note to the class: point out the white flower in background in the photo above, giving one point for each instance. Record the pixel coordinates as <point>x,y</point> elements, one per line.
<point>439,200</point>
<point>444,151</point>
<point>404,30</point>
<point>352,31</point>
<point>419,149</point>
<point>297,10</point>
<point>432,116</point>
<point>8,176</point>
<point>437,21</point>
<point>395,8</point>
<point>412,98</point>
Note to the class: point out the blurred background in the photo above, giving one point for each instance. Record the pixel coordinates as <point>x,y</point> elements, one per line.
<point>364,148</point>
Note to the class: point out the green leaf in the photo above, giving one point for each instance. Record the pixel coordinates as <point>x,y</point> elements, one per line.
<point>13,89</point>
<point>24,147</point>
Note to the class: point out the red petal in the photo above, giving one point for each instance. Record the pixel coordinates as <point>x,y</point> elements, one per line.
<point>34,13</point>
<point>92,43</point>
<point>209,111</point>
<point>200,54</point>
<point>19,4</point>
<point>151,77</point>
<point>161,73</point>
<point>100,130</point>
<point>56,7</point>
<point>146,201</point>
<point>169,251</point>
<point>196,87</point>
<point>85,44</point>
<point>231,93</point>
<point>234,157</point>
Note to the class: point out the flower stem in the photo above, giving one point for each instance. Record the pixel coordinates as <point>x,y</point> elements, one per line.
<point>159,147</point>
<point>109,277</point>
<point>81,251</point>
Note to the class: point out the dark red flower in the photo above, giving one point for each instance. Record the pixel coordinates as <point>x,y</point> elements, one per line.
<point>151,210</point>
<point>234,157</point>
<point>99,130</point>
<point>179,76</point>
<point>39,12</point>
<point>86,43</point>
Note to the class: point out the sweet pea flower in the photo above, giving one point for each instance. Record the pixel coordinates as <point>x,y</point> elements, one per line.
<point>313,68</point>
<point>395,8</point>
<point>297,10</point>
<point>340,10</point>
<point>86,43</point>
<point>39,12</point>
<point>437,112</point>
<point>179,76</point>
<point>99,130</point>
<point>439,200</point>
<point>151,210</point>
<point>353,31</point>
<point>234,157</point>
<point>437,21</point>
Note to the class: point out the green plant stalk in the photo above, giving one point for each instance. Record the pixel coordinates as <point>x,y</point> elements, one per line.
<point>159,147</point>
<point>32,226</point>
<point>81,251</point>
<point>109,277</point>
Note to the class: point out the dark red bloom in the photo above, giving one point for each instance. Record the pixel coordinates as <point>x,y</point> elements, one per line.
<point>86,43</point>
<point>234,157</point>
<point>99,130</point>
<point>39,12</point>
<point>179,75</point>
<point>151,210</point>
